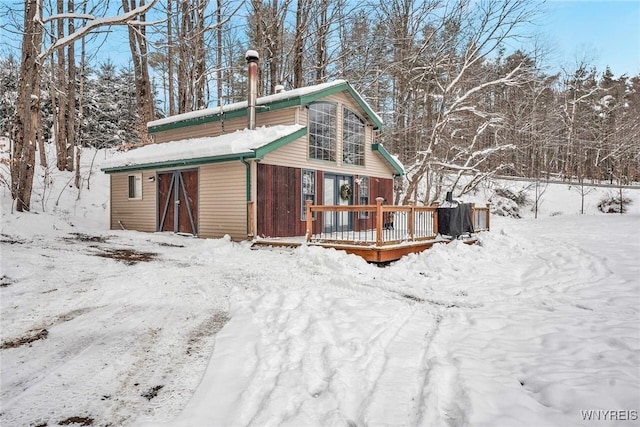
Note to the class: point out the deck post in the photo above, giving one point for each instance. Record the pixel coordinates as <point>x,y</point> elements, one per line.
<point>435,219</point>
<point>250,220</point>
<point>309,220</point>
<point>412,215</point>
<point>379,220</point>
<point>488,215</point>
<point>473,216</point>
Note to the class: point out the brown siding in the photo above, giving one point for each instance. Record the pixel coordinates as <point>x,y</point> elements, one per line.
<point>279,201</point>
<point>380,187</point>
<point>137,215</point>
<point>223,200</point>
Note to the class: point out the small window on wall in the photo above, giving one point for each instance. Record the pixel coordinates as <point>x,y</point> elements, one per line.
<point>363,195</point>
<point>135,186</point>
<point>308,191</point>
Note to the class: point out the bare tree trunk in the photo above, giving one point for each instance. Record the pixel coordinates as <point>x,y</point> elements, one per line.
<point>81,108</point>
<point>259,36</point>
<point>219,51</point>
<point>71,96</point>
<point>144,94</point>
<point>321,43</point>
<point>199,67</point>
<point>275,41</point>
<point>302,16</point>
<point>41,148</point>
<point>170,61</point>
<point>183,72</point>
<point>25,131</point>
<point>61,96</point>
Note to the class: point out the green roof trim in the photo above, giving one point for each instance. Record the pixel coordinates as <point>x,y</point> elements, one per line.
<point>389,158</point>
<point>215,117</point>
<point>278,104</point>
<point>181,163</point>
<point>280,142</point>
<point>340,88</point>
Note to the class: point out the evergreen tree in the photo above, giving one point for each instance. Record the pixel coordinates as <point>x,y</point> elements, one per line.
<point>9,72</point>
<point>102,114</point>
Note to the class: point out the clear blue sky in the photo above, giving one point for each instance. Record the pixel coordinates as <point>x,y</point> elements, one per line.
<point>605,32</point>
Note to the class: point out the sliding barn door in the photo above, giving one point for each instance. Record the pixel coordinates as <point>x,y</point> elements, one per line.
<point>178,201</point>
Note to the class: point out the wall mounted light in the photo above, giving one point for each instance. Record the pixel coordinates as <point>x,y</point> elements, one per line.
<point>151,178</point>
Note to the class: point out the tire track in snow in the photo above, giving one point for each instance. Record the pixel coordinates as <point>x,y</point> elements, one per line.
<point>336,367</point>
<point>391,396</point>
<point>440,399</point>
<point>70,364</point>
<point>349,381</point>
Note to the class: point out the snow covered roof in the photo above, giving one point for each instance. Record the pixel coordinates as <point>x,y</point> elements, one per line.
<point>236,145</point>
<point>275,101</point>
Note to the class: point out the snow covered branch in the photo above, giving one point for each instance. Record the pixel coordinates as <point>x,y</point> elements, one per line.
<point>60,16</point>
<point>123,19</point>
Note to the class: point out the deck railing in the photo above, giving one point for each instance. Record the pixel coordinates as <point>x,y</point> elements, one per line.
<point>378,225</point>
<point>480,218</point>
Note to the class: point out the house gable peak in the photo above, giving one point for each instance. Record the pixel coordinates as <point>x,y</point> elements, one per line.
<point>279,100</point>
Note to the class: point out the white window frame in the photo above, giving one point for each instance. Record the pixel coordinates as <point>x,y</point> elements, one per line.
<point>363,183</point>
<point>308,192</point>
<point>353,138</point>
<point>322,124</point>
<point>135,191</point>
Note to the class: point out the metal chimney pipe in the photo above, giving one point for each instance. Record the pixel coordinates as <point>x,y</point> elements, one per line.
<point>252,58</point>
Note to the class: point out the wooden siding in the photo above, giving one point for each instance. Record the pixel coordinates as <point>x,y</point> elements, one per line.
<point>137,215</point>
<point>212,129</point>
<point>279,201</point>
<point>223,200</point>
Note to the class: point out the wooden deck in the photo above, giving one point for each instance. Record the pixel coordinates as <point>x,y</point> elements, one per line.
<point>373,254</point>
<point>378,233</point>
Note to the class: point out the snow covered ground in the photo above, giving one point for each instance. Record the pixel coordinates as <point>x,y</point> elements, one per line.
<point>538,325</point>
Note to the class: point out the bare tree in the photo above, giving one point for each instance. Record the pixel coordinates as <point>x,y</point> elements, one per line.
<point>139,50</point>
<point>26,128</point>
<point>322,25</point>
<point>301,32</point>
<point>460,44</point>
<point>71,124</point>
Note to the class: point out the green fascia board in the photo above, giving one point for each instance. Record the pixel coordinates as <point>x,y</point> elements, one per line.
<point>276,105</point>
<point>306,99</point>
<point>385,154</point>
<point>181,163</point>
<point>274,145</point>
<point>215,117</point>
